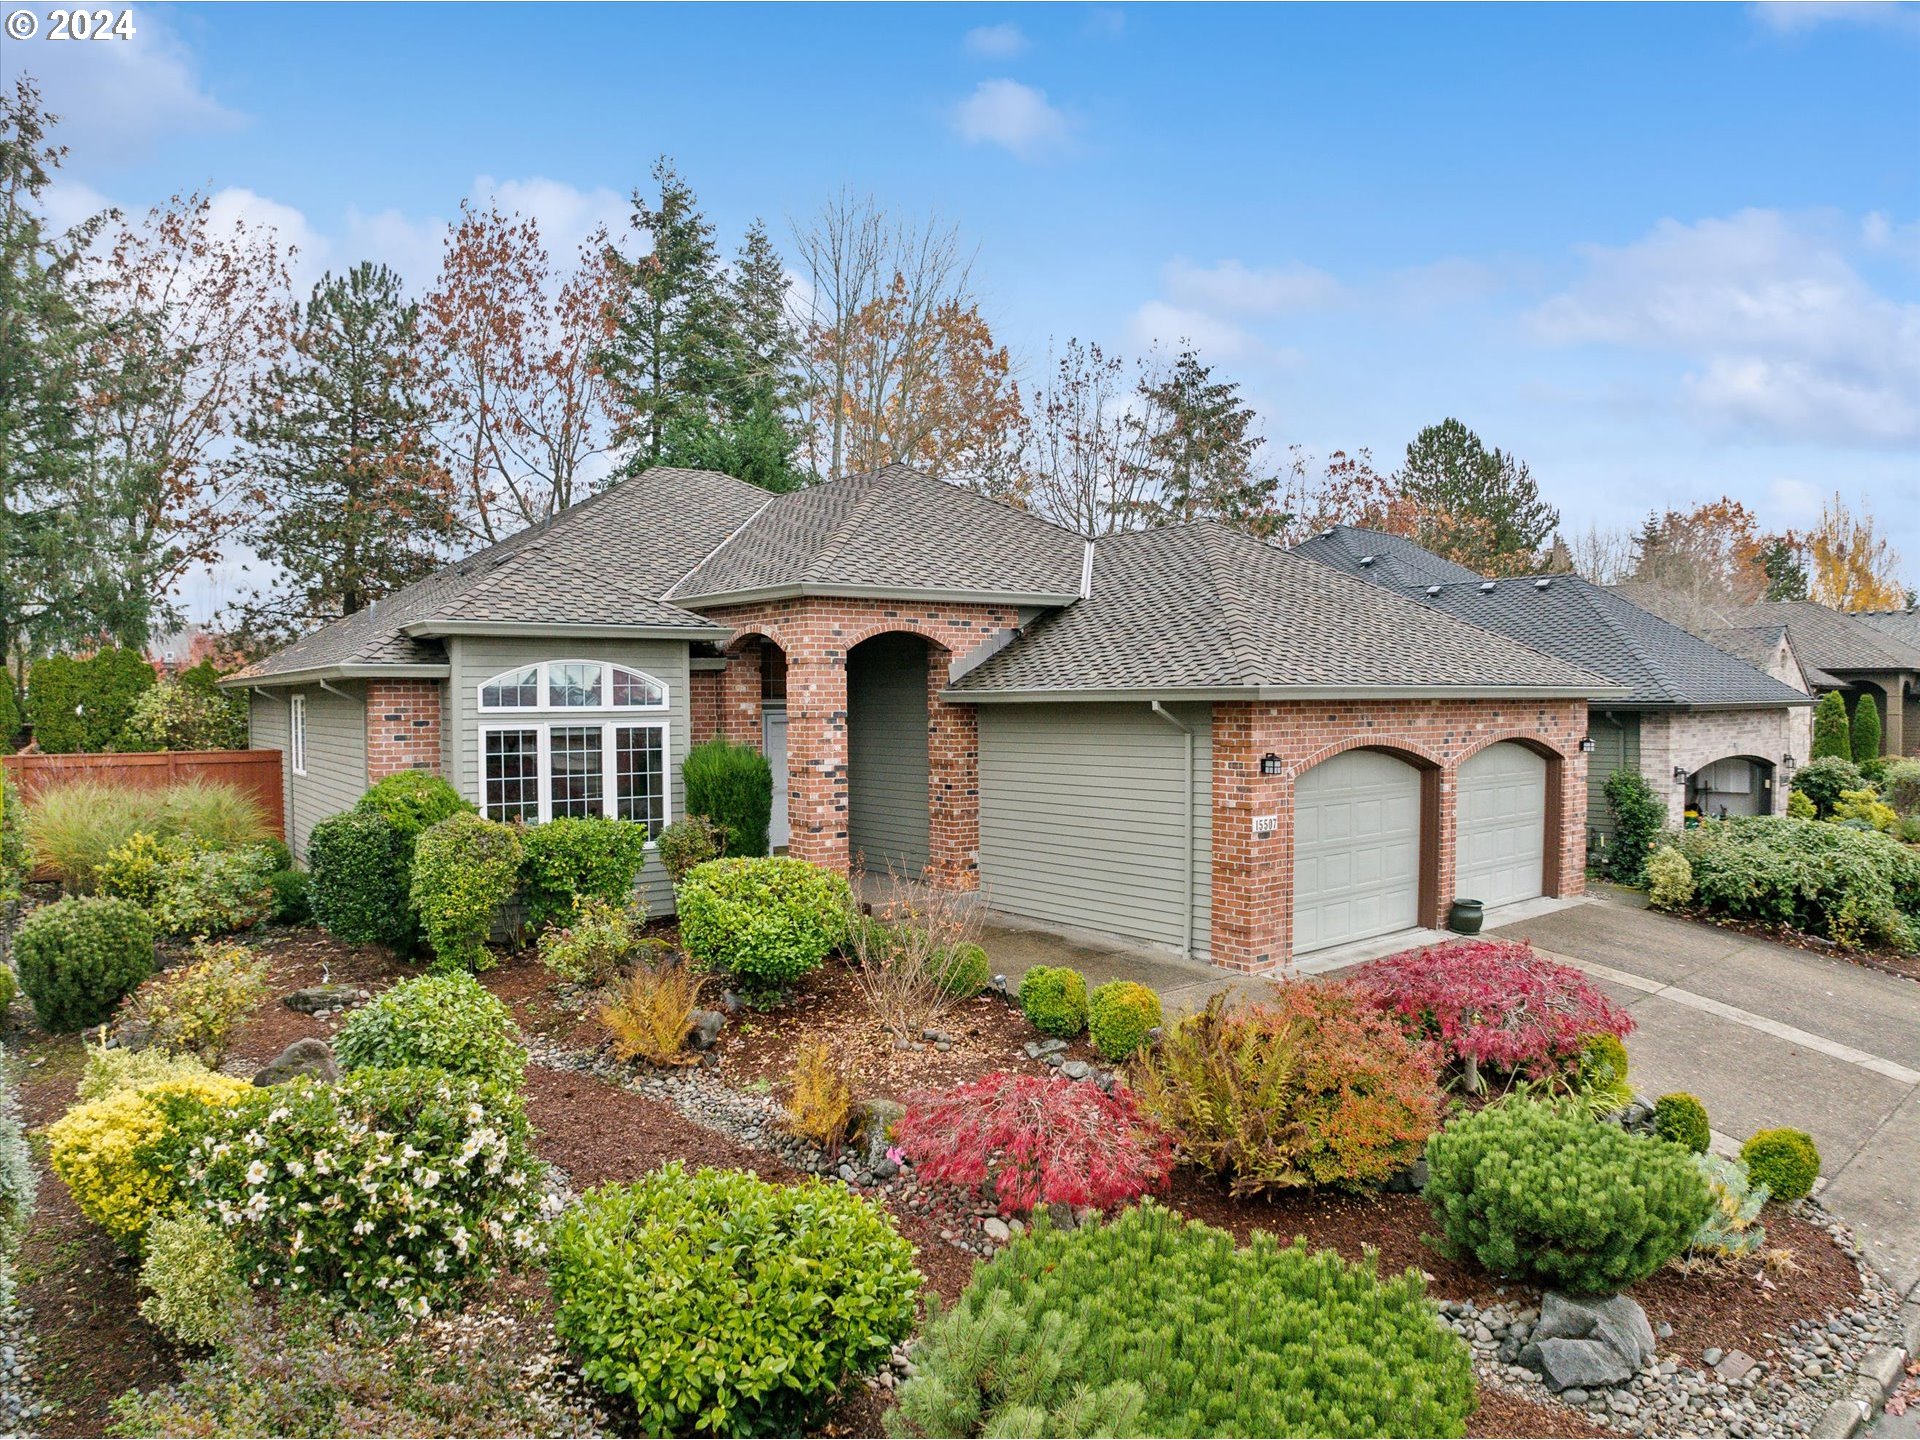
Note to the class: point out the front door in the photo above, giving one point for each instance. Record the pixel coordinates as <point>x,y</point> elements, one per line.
<point>773,743</point>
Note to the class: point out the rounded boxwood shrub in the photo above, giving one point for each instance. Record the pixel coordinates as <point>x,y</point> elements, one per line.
<point>1157,1325</point>
<point>767,920</point>
<point>1786,1161</point>
<point>1054,1000</point>
<point>578,858</point>
<point>1539,1192</point>
<point>358,866</point>
<point>1682,1119</point>
<point>1119,1015</point>
<point>441,1022</point>
<point>965,971</point>
<point>413,801</point>
<point>290,903</point>
<point>464,869</point>
<point>715,1301</point>
<point>77,957</point>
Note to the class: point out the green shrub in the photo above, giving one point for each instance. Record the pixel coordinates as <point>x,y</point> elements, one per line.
<point>82,705</point>
<point>358,879</point>
<point>1823,782</point>
<point>1864,807</point>
<point>732,785</point>
<point>1054,1000</point>
<point>413,801</point>
<point>9,991</point>
<point>718,1302</point>
<point>572,859</point>
<point>290,902</point>
<point>1669,878</point>
<point>192,1277</point>
<point>1866,730</point>
<point>1119,1015</point>
<point>388,1189</point>
<point>1786,1161</point>
<point>1832,733</point>
<point>441,1022</point>
<point>9,716</point>
<point>77,957</point>
<point>602,941</point>
<point>965,971</point>
<point>1730,1229</point>
<point>1854,887</point>
<point>1901,786</point>
<point>1799,807</point>
<point>1538,1192</point>
<point>1637,815</point>
<point>178,716</point>
<point>1157,1325</point>
<point>1682,1119</point>
<point>768,921</point>
<point>111,1071</point>
<point>464,869</point>
<point>187,888</point>
<point>690,842</point>
<point>13,833</point>
<point>196,1007</point>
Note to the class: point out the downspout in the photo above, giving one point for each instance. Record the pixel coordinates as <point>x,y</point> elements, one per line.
<point>1186,874</point>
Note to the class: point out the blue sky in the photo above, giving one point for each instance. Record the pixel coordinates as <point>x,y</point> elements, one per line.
<point>1661,252</point>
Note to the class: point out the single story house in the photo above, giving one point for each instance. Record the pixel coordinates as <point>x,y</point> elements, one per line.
<point>1875,657</point>
<point>1710,731</point>
<point>1185,737</point>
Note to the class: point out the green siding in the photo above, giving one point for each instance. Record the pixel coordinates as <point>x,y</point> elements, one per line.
<point>1616,746</point>
<point>887,754</point>
<point>336,751</point>
<point>1082,818</point>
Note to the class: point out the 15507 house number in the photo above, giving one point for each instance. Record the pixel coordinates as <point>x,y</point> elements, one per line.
<point>1266,824</point>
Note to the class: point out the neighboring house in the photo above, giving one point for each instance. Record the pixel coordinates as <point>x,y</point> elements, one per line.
<point>1184,737</point>
<point>1862,656</point>
<point>1709,730</point>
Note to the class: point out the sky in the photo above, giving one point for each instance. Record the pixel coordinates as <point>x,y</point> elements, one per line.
<point>1661,253</point>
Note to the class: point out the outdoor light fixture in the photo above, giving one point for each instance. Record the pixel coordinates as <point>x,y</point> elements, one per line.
<point>1679,774</point>
<point>1269,764</point>
<point>1789,764</point>
<point>1586,744</point>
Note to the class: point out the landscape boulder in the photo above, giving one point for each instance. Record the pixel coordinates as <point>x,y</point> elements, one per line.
<point>315,998</point>
<point>302,1057</point>
<point>1588,1344</point>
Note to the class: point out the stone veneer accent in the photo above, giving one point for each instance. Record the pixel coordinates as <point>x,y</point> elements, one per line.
<point>1694,739</point>
<point>1253,875</point>
<point>816,634</point>
<point>403,727</point>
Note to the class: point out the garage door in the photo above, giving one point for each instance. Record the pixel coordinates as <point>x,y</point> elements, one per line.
<point>1356,838</point>
<point>1501,813</point>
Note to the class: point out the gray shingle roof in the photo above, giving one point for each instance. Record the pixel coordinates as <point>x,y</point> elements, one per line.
<point>894,529</point>
<point>1382,558</point>
<point>1903,625</point>
<point>1833,640</point>
<point>1755,644</point>
<point>1201,606</point>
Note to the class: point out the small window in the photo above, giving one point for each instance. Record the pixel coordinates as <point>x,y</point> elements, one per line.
<point>632,689</point>
<point>573,684</point>
<point>575,755</point>
<point>640,792</point>
<point>512,774</point>
<point>297,734</point>
<point>519,690</point>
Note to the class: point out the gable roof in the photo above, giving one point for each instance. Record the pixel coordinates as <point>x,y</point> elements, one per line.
<point>894,531</point>
<point>1903,625</point>
<point>1203,608</point>
<point>1834,640</point>
<point>1385,559</point>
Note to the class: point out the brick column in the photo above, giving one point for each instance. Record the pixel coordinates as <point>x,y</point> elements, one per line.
<point>703,705</point>
<point>817,758</point>
<point>403,727</point>
<point>740,695</point>
<point>1252,874</point>
<point>953,783</point>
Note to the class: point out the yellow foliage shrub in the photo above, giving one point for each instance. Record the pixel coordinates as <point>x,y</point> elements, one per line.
<point>118,1069</point>
<point>651,1013</point>
<point>108,1151</point>
<point>821,1106</point>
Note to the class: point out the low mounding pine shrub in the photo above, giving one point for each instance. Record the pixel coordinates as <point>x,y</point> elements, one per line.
<point>389,1189</point>
<point>1682,1119</point>
<point>116,1154</point>
<point>192,1278</point>
<point>720,1303</point>
<point>76,957</point>
<point>689,842</point>
<point>1495,1004</point>
<point>1119,1015</point>
<point>1027,1140</point>
<point>1156,1325</point>
<point>1538,1192</point>
<point>1314,1088</point>
<point>358,877</point>
<point>450,1023</point>
<point>1054,1000</point>
<point>576,858</point>
<point>196,1007</point>
<point>599,942</point>
<point>1786,1161</point>
<point>1669,878</point>
<point>1853,887</point>
<point>767,921</point>
<point>464,869</point>
<point>412,801</point>
<point>732,785</point>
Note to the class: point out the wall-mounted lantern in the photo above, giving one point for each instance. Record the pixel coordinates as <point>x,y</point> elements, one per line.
<point>1586,744</point>
<point>1789,764</point>
<point>1679,774</point>
<point>1269,764</point>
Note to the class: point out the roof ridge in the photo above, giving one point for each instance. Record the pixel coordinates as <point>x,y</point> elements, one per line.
<point>1213,543</point>
<point>1591,594</point>
<point>725,541</point>
<point>839,535</point>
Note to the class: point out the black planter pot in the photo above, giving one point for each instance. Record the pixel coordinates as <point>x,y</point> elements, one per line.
<point>1466,917</point>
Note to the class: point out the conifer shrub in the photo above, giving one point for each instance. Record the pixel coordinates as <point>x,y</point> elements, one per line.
<point>1784,1160</point>
<point>1054,1000</point>
<point>1538,1192</point>
<point>1866,730</point>
<point>1120,1013</point>
<point>464,869</point>
<point>359,866</point>
<point>1315,1087</point>
<point>732,785</point>
<point>576,858</point>
<point>1151,1324</point>
<point>1682,1119</point>
<point>768,920</point>
<point>450,1023</point>
<point>1027,1140</point>
<point>1799,807</point>
<point>1865,807</point>
<point>77,957</point>
<point>1832,732</point>
<point>717,1302</point>
<point>1732,1228</point>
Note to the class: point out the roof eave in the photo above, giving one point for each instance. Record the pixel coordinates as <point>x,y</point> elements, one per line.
<point>1288,692</point>
<point>440,629</point>
<point>813,590</point>
<point>308,675</point>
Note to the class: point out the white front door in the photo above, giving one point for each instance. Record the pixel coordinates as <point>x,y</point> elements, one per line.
<point>773,742</point>
<point>1500,815</point>
<point>1356,849</point>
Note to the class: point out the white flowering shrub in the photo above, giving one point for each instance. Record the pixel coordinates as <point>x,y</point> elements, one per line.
<point>390,1189</point>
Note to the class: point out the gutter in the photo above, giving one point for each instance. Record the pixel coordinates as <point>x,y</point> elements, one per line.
<point>1044,599</point>
<point>434,629</point>
<point>1186,875</point>
<point>314,673</point>
<point>1592,693</point>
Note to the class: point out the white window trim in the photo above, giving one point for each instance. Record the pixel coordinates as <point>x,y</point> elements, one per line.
<point>297,733</point>
<point>545,709</point>
<point>542,724</point>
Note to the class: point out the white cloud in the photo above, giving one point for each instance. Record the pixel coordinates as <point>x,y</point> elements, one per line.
<point>1167,327</point>
<point>1016,117</point>
<point>116,98</point>
<point>1779,331</point>
<point>996,42</point>
<point>566,215</point>
<point>1793,504</point>
<point>1796,17</point>
<point>1232,288</point>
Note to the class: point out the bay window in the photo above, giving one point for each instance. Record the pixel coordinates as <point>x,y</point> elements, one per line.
<point>561,738</point>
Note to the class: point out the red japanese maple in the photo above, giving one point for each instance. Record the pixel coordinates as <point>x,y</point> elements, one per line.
<point>1036,1140</point>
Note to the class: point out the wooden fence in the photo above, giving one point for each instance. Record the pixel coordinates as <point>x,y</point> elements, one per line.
<point>257,772</point>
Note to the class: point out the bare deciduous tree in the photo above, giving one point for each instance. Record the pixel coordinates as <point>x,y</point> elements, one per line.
<point>1089,450</point>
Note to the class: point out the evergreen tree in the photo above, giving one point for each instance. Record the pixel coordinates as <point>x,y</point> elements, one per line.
<point>1866,730</point>
<point>1450,472</point>
<point>1786,570</point>
<point>354,499</point>
<point>1832,735</point>
<point>1203,452</point>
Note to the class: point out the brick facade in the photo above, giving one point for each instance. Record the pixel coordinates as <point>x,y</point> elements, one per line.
<point>1695,739</point>
<point>816,635</point>
<point>703,705</point>
<point>403,727</point>
<point>1253,874</point>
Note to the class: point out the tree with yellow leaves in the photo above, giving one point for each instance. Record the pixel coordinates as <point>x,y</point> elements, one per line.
<point>1854,566</point>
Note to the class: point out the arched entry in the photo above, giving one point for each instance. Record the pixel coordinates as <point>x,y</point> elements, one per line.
<point>887,789</point>
<point>1737,785</point>
<point>1357,849</point>
<point>1500,824</point>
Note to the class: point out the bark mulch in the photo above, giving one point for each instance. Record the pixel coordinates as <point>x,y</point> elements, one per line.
<point>1504,1414</point>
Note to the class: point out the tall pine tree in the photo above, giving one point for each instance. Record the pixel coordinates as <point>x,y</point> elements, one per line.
<point>355,501</point>
<point>1203,451</point>
<point>1487,494</point>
